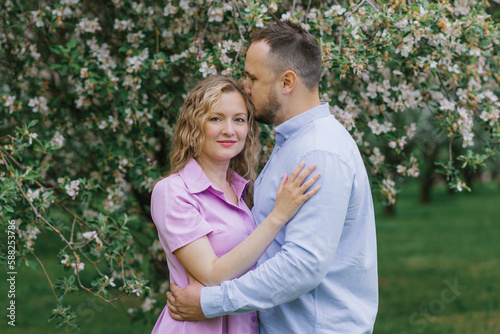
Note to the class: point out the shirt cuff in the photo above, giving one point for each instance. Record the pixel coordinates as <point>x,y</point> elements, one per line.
<point>211,301</point>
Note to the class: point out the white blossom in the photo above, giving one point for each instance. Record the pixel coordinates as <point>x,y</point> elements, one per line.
<point>72,188</point>
<point>92,235</point>
<point>110,280</point>
<point>170,10</point>
<point>9,102</point>
<point>36,17</point>
<point>345,117</point>
<point>32,195</point>
<point>90,26</point>
<point>412,130</point>
<point>148,304</point>
<point>401,169</point>
<point>32,136</point>
<point>122,25</point>
<point>388,187</point>
<point>78,266</point>
<point>207,70</point>
<point>447,105</point>
<point>38,104</point>
<point>377,158</point>
<point>57,140</point>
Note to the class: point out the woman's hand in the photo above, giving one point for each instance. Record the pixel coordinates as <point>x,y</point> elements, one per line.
<point>292,192</point>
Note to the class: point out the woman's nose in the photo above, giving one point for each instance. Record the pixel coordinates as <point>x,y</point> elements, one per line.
<point>228,128</point>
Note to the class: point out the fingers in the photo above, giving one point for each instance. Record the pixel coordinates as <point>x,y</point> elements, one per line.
<point>282,183</point>
<point>299,174</point>
<point>174,288</point>
<point>305,173</point>
<point>301,185</point>
<point>170,297</point>
<point>296,171</point>
<point>308,184</point>
<point>311,193</point>
<point>296,186</point>
<point>172,310</point>
<point>171,302</point>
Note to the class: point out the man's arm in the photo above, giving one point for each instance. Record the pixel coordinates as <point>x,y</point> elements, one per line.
<point>311,240</point>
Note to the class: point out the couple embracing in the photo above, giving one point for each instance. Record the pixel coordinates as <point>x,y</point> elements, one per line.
<point>295,245</point>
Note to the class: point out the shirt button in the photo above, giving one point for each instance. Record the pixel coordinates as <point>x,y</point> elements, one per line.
<point>287,136</point>
<point>254,318</point>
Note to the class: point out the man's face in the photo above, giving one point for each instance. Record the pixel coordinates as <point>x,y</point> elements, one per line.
<point>261,83</point>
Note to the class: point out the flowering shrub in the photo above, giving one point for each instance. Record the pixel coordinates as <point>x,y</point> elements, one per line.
<point>91,90</point>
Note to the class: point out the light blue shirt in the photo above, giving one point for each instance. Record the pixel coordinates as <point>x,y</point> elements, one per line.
<point>320,273</point>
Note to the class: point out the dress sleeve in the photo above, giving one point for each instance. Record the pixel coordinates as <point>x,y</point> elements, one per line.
<point>176,213</point>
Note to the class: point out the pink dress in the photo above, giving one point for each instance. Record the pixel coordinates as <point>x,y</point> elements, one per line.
<point>185,207</point>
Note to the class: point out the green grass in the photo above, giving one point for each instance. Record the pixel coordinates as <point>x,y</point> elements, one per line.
<point>424,252</point>
<point>439,265</point>
<point>35,302</point>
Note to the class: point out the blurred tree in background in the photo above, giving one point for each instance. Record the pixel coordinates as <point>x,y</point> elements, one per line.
<point>90,92</point>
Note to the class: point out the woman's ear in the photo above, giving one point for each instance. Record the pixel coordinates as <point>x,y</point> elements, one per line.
<point>288,80</point>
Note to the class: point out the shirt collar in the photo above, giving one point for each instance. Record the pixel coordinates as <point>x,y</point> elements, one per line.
<point>197,181</point>
<point>194,177</point>
<point>294,124</point>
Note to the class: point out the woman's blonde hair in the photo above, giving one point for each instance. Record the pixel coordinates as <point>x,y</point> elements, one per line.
<point>189,134</point>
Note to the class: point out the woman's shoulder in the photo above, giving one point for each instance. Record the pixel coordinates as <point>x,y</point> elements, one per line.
<point>171,183</point>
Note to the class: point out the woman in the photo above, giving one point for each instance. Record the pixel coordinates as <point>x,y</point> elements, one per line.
<point>203,223</point>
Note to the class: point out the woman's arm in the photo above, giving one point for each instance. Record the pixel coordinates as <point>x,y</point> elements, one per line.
<point>199,259</point>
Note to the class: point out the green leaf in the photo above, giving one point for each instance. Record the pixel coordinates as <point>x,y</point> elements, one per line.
<point>101,219</point>
<point>32,123</point>
<point>55,66</point>
<point>57,49</point>
<point>71,44</point>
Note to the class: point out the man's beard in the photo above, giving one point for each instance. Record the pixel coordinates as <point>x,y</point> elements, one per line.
<point>269,109</point>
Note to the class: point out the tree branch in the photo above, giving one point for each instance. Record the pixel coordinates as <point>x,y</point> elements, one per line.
<point>46,275</point>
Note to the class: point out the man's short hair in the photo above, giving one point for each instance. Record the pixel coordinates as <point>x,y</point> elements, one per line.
<point>292,48</point>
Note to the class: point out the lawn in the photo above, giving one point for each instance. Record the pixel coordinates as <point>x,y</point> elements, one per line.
<point>439,269</point>
<point>439,264</point>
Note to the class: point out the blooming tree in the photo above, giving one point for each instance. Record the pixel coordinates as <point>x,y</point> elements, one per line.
<point>90,92</point>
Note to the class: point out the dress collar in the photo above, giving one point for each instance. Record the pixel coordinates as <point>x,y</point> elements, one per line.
<point>197,181</point>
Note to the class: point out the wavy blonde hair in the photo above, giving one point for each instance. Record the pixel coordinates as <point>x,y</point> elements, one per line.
<point>189,134</point>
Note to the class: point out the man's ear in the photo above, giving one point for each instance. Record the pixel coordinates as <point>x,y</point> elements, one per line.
<point>288,80</point>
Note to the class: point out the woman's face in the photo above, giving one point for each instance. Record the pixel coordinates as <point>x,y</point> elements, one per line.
<point>226,129</point>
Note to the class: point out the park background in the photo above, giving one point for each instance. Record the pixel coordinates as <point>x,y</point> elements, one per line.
<point>89,94</point>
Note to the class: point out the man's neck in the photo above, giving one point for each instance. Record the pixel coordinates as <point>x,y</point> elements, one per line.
<point>297,105</point>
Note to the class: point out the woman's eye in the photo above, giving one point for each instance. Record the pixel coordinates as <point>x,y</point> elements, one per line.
<point>240,120</point>
<point>214,119</point>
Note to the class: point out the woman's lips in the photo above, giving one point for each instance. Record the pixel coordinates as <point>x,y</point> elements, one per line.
<point>227,143</point>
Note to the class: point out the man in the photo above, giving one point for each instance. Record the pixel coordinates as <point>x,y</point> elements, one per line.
<point>320,273</point>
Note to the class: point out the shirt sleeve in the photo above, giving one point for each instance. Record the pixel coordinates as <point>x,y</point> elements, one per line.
<point>176,214</point>
<point>311,240</point>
